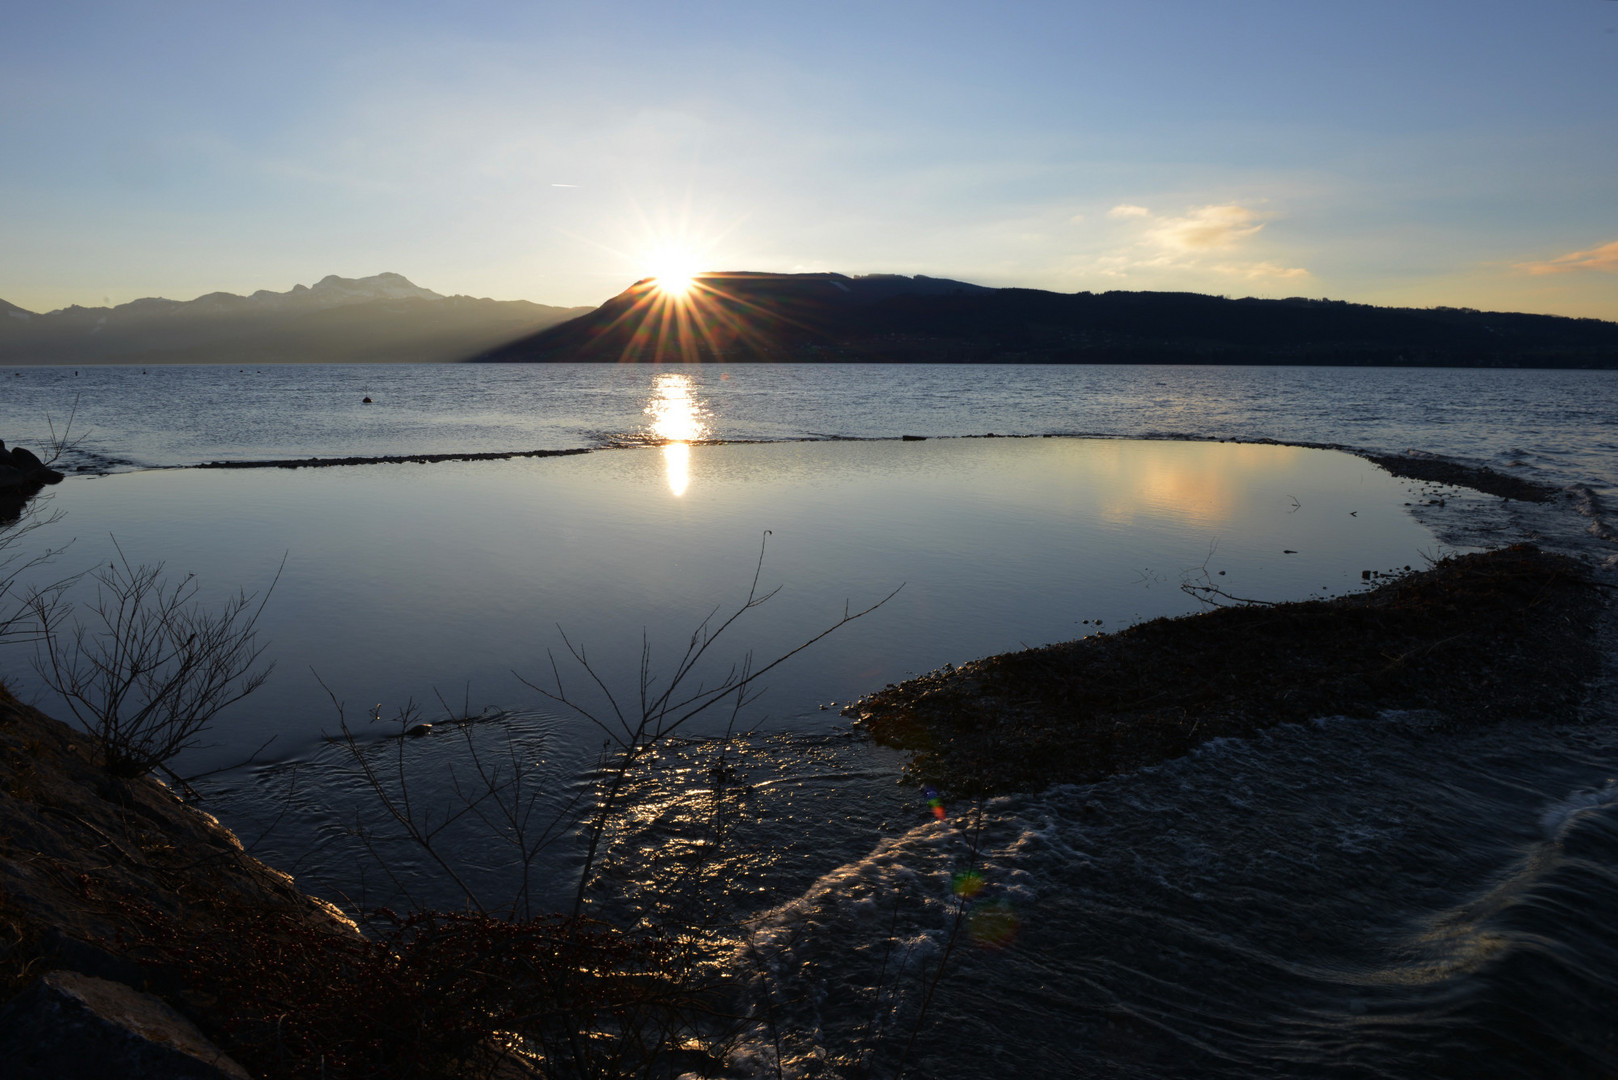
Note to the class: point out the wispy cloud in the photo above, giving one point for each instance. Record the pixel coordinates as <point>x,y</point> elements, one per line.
<point>1206,228</point>
<point>1603,259</point>
<point>1260,271</point>
<point>1202,241</point>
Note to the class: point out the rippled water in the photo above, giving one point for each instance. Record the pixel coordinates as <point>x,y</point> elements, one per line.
<point>1559,423</point>
<point>1374,898</point>
<point>1349,898</point>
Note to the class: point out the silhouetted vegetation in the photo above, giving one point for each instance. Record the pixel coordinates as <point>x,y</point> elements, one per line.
<point>153,666</point>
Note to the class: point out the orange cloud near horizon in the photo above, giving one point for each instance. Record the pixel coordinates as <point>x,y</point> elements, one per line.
<point>1601,259</point>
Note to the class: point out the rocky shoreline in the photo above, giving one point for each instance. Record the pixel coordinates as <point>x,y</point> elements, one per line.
<point>1503,635</point>
<point>88,864</point>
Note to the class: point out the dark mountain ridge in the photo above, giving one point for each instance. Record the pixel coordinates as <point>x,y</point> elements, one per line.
<point>741,317</point>
<point>337,320</point>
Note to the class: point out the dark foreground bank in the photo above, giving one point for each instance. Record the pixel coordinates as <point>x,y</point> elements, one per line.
<point>1477,638</point>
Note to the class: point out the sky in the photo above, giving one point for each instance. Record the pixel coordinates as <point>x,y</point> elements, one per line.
<point>1406,153</point>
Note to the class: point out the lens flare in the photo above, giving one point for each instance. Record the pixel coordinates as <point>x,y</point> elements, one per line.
<point>968,883</point>
<point>993,925</point>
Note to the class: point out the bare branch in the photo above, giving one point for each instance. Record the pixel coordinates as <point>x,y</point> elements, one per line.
<point>153,668</point>
<point>683,699</point>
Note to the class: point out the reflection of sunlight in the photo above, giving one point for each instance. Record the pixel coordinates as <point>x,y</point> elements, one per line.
<point>676,413</point>
<point>1178,481</point>
<point>677,419</point>
<point>677,462</point>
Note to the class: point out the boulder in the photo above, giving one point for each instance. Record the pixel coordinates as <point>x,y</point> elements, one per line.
<point>22,468</point>
<point>22,476</point>
<point>77,1027</point>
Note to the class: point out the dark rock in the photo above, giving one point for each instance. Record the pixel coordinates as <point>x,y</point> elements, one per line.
<point>77,1027</point>
<point>78,956</point>
<point>21,470</point>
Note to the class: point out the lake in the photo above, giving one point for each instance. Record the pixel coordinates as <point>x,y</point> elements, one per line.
<point>1252,909</point>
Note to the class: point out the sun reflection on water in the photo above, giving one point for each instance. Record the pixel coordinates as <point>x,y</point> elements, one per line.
<point>677,463</point>
<point>677,420</point>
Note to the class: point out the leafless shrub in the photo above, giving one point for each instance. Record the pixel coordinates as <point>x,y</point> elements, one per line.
<point>634,729</point>
<point>58,445</point>
<point>32,615</point>
<point>28,615</point>
<point>500,792</point>
<point>153,667</point>
<point>680,1017</point>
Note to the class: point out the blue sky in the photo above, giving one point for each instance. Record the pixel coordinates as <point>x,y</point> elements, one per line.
<point>1419,153</point>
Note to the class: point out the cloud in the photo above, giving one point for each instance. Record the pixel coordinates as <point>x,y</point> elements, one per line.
<point>1206,228</point>
<point>1200,244</point>
<point>1261,270</point>
<point>1603,258</point>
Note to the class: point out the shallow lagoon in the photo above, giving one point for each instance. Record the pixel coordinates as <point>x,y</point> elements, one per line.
<point>405,579</point>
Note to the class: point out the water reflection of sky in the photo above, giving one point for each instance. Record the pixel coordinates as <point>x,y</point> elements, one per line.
<point>405,578</point>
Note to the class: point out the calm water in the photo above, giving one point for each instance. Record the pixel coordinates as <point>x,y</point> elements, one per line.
<point>1344,898</point>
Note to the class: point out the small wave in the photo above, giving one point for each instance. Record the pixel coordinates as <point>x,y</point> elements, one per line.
<point>1560,814</point>
<point>1589,504</point>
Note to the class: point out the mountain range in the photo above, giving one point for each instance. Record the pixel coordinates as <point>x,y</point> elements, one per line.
<point>824,317</point>
<point>337,320</point>
<point>739,317</point>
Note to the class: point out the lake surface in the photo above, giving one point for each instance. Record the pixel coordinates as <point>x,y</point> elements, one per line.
<point>1367,898</point>
<point>1562,424</point>
<point>406,579</point>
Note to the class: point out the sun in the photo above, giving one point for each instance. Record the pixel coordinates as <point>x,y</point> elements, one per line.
<point>674,285</point>
<point>673,272</point>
